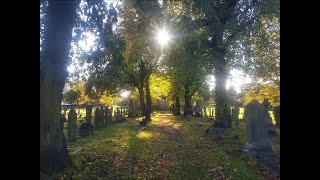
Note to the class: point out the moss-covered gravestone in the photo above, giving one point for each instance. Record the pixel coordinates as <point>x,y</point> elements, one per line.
<point>72,125</point>
<point>258,142</point>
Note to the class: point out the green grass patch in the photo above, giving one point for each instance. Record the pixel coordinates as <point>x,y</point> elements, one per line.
<point>168,148</point>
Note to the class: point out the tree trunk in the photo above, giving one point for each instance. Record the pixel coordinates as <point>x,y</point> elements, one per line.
<point>222,112</point>
<point>54,155</point>
<point>187,101</point>
<point>148,99</point>
<point>141,94</point>
<point>176,108</point>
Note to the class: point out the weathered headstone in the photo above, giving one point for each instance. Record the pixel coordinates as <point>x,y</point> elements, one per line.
<point>86,129</point>
<point>72,125</point>
<point>258,142</point>
<point>276,113</point>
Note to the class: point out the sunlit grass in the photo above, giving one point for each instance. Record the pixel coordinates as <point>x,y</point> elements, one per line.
<point>168,148</point>
<point>144,135</point>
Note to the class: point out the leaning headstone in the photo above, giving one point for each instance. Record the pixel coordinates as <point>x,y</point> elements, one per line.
<point>258,142</point>
<point>88,113</point>
<point>86,129</point>
<point>72,125</point>
<point>97,119</point>
<point>276,113</point>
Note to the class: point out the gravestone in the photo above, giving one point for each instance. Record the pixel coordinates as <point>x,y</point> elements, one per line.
<point>89,113</point>
<point>276,113</point>
<point>258,142</point>
<point>235,115</point>
<point>86,128</point>
<point>118,115</point>
<point>198,110</point>
<point>72,125</point>
<point>97,118</point>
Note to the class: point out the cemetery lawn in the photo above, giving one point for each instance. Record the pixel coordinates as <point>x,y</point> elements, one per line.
<point>168,148</point>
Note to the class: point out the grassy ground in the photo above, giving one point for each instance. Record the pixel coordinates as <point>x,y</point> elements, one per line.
<point>169,148</point>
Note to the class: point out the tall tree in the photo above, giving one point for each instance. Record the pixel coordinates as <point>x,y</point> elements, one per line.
<point>56,45</point>
<point>141,55</point>
<point>188,50</point>
<point>225,20</point>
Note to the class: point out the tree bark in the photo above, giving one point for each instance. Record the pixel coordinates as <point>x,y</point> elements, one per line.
<point>148,99</point>
<point>142,105</point>
<point>187,100</point>
<point>54,155</point>
<point>222,112</point>
<point>176,108</point>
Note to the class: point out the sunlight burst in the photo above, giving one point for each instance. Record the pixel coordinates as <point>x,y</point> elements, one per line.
<point>163,37</point>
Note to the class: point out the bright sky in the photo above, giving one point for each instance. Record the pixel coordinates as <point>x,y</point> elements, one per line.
<point>236,79</point>
<point>124,94</point>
